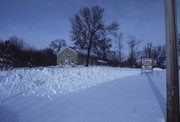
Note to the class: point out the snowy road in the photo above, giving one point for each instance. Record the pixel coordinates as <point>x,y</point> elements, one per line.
<point>130,99</point>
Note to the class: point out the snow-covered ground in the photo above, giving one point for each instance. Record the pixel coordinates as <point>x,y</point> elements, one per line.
<point>81,94</point>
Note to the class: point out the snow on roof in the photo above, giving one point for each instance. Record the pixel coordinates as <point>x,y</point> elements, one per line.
<point>101,61</point>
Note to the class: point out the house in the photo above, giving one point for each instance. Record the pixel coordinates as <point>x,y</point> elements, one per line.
<point>71,56</point>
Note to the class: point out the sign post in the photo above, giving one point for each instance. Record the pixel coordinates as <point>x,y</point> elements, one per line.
<point>172,63</point>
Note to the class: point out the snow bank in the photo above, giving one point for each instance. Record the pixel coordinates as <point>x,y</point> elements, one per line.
<point>55,80</point>
<point>157,69</point>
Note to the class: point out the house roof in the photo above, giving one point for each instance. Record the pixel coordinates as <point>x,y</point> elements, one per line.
<point>81,52</point>
<point>84,52</point>
<point>64,49</point>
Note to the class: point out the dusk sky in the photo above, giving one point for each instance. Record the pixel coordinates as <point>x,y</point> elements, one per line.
<point>39,22</point>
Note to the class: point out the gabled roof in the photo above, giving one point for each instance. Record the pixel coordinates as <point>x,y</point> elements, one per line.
<point>84,52</point>
<point>66,48</point>
<point>81,52</point>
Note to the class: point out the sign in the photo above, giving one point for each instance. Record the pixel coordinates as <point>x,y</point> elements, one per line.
<point>147,65</point>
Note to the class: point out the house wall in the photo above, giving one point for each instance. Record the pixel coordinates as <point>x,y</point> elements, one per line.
<point>67,57</point>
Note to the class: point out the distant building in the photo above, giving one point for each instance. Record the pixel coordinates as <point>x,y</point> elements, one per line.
<point>70,56</point>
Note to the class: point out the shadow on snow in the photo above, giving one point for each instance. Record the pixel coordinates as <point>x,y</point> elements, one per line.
<point>158,95</point>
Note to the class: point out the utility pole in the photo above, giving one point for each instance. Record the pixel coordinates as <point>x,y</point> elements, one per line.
<point>172,62</point>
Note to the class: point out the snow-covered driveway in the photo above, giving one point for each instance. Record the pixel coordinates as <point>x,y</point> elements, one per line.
<point>129,99</point>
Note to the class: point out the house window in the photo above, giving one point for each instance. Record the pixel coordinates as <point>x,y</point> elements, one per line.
<point>72,63</point>
<point>66,62</point>
<point>68,54</point>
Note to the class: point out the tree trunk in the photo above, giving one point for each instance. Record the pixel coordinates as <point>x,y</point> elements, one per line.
<point>89,49</point>
<point>88,55</point>
<point>120,54</point>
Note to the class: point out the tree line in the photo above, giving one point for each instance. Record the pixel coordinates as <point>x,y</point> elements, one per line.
<point>14,53</point>
<point>88,32</point>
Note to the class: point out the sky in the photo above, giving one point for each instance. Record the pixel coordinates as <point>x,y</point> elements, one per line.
<point>38,22</point>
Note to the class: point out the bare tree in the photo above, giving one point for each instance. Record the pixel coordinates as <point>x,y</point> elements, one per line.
<point>16,42</point>
<point>15,46</point>
<point>57,44</point>
<point>11,53</point>
<point>86,25</point>
<point>148,51</point>
<point>133,51</point>
<point>119,46</point>
<point>6,61</point>
<point>159,55</point>
<point>104,45</point>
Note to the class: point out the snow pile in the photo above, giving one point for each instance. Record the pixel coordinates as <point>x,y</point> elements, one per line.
<point>55,80</point>
<point>157,69</point>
